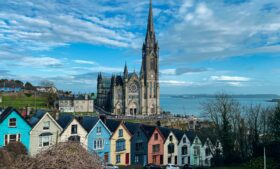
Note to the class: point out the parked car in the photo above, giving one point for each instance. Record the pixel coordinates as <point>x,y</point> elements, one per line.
<point>172,166</point>
<point>152,166</point>
<point>187,166</point>
<point>110,166</point>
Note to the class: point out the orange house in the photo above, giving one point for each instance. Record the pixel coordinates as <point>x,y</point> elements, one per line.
<point>155,146</point>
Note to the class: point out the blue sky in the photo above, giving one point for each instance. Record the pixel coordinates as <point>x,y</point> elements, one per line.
<point>205,46</point>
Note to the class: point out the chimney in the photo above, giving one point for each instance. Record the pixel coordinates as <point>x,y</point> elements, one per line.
<point>158,123</point>
<point>80,119</point>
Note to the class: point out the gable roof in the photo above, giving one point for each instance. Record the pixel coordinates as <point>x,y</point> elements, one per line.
<point>178,134</point>
<point>131,127</point>
<point>164,131</point>
<point>37,117</point>
<point>88,122</point>
<point>65,119</point>
<point>148,130</point>
<point>191,136</point>
<point>112,125</point>
<point>8,111</point>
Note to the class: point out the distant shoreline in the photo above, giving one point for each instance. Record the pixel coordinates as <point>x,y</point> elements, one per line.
<point>187,96</point>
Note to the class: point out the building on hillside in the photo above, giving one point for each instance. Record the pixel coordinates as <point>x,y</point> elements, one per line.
<point>79,103</point>
<point>184,150</point>
<point>46,89</point>
<point>14,128</point>
<point>72,129</point>
<point>156,145</point>
<point>45,132</point>
<point>83,103</point>
<point>98,139</point>
<point>121,146</point>
<point>139,143</point>
<point>131,93</point>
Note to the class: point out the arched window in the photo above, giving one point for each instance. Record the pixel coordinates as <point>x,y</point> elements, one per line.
<point>170,148</point>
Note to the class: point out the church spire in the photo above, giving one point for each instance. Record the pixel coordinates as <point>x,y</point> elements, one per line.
<point>150,35</point>
<point>125,72</point>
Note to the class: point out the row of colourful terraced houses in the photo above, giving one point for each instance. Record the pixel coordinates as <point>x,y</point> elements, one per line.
<point>116,142</point>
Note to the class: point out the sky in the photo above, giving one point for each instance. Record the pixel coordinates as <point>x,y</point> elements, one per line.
<point>206,46</point>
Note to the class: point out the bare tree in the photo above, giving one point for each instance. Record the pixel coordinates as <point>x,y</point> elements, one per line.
<point>222,111</point>
<point>61,156</point>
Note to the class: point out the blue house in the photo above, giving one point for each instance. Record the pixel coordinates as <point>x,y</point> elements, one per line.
<point>139,142</point>
<point>98,137</point>
<point>14,128</point>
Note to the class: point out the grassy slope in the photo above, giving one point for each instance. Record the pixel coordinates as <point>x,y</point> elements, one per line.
<point>24,101</point>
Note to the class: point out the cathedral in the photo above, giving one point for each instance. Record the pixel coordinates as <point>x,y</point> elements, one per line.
<point>133,94</point>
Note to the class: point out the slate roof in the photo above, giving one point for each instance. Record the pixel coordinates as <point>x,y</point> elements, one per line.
<point>191,136</point>
<point>112,125</point>
<point>164,131</point>
<point>178,133</point>
<point>8,111</point>
<point>148,130</point>
<point>64,119</point>
<point>88,122</point>
<point>132,127</point>
<point>37,117</point>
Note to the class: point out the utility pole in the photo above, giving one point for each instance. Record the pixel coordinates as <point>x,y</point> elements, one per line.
<point>264,158</point>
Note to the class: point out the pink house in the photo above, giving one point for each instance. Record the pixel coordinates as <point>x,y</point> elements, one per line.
<point>155,147</point>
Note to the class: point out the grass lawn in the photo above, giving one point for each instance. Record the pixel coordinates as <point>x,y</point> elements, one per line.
<point>24,101</point>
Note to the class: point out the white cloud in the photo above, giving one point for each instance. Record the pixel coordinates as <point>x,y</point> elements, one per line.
<point>230,78</point>
<point>85,62</point>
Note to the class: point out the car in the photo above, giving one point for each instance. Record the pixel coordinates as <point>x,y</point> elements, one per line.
<point>110,166</point>
<point>152,166</point>
<point>187,166</point>
<point>172,166</point>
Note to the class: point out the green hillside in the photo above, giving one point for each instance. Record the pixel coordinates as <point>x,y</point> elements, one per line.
<point>24,101</point>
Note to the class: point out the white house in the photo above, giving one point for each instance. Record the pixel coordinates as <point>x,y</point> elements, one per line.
<point>184,151</point>
<point>45,132</point>
<point>171,149</point>
<point>72,129</point>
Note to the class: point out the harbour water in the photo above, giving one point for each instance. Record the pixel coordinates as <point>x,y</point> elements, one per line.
<point>192,104</point>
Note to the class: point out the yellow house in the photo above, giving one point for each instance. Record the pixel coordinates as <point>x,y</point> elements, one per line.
<point>120,146</point>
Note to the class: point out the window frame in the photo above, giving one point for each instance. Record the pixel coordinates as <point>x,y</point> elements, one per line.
<point>15,123</point>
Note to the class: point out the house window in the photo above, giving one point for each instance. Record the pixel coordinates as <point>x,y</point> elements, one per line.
<point>169,160</point>
<point>170,148</point>
<point>161,159</point>
<point>136,159</point>
<point>98,130</point>
<point>12,138</point>
<point>139,146</point>
<point>154,159</point>
<point>118,158</point>
<point>98,144</point>
<point>156,136</point>
<point>120,146</point>
<point>13,122</point>
<point>45,141</point>
<point>208,151</point>
<point>120,132</point>
<point>156,148</point>
<point>74,129</point>
<point>184,150</point>
<point>170,138</point>
<point>184,140</point>
<point>183,160</point>
<point>46,125</point>
<point>196,150</point>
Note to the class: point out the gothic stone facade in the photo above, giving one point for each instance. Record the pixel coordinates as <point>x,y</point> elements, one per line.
<point>130,93</point>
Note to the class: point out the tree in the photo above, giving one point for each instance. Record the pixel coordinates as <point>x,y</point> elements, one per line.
<point>29,86</point>
<point>220,111</point>
<point>68,155</point>
<point>275,123</point>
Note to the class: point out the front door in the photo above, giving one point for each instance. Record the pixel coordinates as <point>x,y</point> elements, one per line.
<point>127,158</point>
<point>106,158</point>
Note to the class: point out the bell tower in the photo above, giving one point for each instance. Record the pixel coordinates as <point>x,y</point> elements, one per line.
<point>149,69</point>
